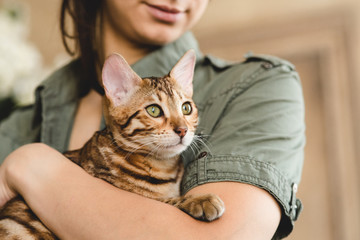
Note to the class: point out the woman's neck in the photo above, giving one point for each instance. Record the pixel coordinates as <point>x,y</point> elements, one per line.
<point>113,41</point>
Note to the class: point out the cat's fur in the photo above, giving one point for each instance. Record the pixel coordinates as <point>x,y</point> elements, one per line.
<point>137,151</point>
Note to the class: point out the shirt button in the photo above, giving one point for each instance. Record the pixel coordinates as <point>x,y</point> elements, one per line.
<point>202,155</point>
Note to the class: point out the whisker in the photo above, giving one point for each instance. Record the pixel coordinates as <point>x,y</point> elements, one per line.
<point>200,142</point>
<point>192,149</point>
<point>136,149</point>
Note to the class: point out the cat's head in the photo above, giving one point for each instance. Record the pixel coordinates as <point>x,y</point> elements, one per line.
<point>155,115</point>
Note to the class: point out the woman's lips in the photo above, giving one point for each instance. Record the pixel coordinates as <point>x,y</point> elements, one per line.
<point>165,14</point>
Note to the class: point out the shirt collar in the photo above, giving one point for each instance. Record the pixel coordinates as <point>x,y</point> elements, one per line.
<point>64,83</point>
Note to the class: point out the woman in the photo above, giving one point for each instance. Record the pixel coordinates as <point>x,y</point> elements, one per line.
<point>251,112</point>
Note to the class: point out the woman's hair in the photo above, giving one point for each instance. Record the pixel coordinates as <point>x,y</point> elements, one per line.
<point>81,40</point>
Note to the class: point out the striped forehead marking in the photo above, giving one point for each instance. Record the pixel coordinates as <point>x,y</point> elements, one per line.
<point>162,84</point>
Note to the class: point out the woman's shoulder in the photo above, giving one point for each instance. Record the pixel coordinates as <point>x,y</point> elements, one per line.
<point>216,77</point>
<point>250,65</point>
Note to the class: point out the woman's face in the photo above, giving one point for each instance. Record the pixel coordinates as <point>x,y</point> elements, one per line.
<point>152,22</point>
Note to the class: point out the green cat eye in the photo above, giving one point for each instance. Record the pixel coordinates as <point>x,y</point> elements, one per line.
<point>154,111</point>
<point>186,108</point>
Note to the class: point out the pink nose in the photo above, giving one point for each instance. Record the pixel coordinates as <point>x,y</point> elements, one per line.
<point>181,131</point>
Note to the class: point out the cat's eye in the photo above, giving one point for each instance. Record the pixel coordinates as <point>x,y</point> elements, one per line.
<point>186,108</point>
<point>154,111</point>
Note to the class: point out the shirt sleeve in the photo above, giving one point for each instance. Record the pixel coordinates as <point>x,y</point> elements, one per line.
<point>257,138</point>
<point>18,129</point>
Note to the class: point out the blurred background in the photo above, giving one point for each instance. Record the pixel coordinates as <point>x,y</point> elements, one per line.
<point>320,37</point>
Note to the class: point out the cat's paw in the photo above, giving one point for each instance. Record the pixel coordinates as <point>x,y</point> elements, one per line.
<point>204,207</point>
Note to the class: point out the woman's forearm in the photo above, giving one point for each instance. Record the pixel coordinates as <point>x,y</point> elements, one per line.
<point>77,206</point>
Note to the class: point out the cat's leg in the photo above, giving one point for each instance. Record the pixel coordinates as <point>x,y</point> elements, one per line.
<point>206,207</point>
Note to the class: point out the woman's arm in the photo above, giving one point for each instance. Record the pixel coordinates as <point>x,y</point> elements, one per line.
<point>76,205</point>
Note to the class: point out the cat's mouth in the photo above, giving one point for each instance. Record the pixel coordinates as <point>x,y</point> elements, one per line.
<point>179,144</point>
<point>172,150</point>
<point>176,148</point>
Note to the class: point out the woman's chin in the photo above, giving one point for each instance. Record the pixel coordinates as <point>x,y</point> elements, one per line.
<point>160,34</point>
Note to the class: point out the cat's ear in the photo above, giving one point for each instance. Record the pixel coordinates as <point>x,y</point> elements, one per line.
<point>119,79</point>
<point>183,71</point>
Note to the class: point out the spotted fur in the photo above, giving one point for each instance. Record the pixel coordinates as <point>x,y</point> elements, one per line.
<point>136,152</point>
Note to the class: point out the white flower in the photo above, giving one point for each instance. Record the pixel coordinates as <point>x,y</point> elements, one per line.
<point>20,61</point>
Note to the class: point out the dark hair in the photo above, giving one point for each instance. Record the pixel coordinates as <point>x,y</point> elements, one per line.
<point>82,41</point>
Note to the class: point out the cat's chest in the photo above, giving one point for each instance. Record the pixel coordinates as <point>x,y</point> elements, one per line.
<point>144,176</point>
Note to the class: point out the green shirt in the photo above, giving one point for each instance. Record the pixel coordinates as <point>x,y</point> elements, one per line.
<point>251,119</point>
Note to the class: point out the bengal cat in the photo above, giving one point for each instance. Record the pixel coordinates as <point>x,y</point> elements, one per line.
<point>149,121</point>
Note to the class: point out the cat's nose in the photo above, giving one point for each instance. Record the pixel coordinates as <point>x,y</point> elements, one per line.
<point>181,131</point>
